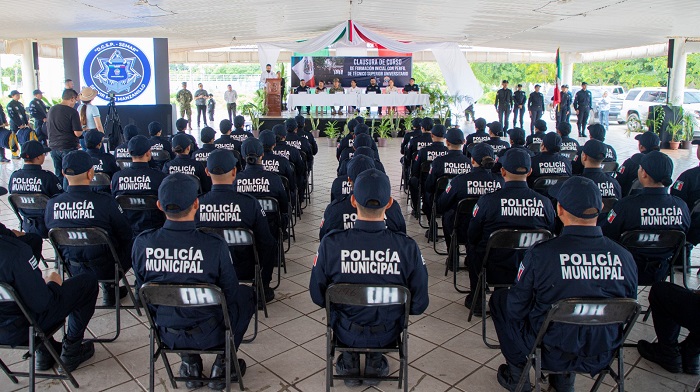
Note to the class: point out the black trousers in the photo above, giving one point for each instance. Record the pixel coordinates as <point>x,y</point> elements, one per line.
<point>518,113</point>
<point>582,121</point>
<point>231,109</point>
<point>674,307</point>
<point>536,115</point>
<point>201,113</point>
<point>306,108</point>
<point>503,116</point>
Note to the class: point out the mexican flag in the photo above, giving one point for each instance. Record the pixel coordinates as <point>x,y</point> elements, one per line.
<point>557,86</point>
<point>304,69</point>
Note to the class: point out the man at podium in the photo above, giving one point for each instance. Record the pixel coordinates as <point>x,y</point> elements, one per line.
<point>266,74</point>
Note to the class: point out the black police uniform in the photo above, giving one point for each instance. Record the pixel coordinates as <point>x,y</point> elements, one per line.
<point>33,179</point>
<point>302,144</point>
<point>416,144</point>
<point>345,142</point>
<point>38,110</point>
<point>569,144</point>
<point>104,163</point>
<point>122,151</point>
<point>498,144</point>
<point>369,253</point>
<point>193,141</point>
<point>502,152</point>
<point>343,167</point>
<point>377,90</point>
<point>651,209</point>
<point>549,164</point>
<point>302,89</point>
<point>627,173</point>
<point>687,187</point>
<point>426,154</point>
<point>407,89</point>
<point>184,164</point>
<point>137,180</point>
<point>583,102</point>
<point>558,269</point>
<point>564,110</point>
<point>608,186</point>
<point>80,207</point>
<point>160,143</point>
<point>341,215</point>
<point>480,136</point>
<point>17,115</point>
<point>179,253</point>
<point>341,187</point>
<point>294,156</point>
<point>257,182</point>
<point>535,105</point>
<point>515,206</point>
<point>519,99</point>
<point>407,138</point>
<point>226,142</point>
<point>240,134</point>
<point>202,154</point>
<point>535,138</point>
<point>479,181</point>
<point>4,133</point>
<point>577,165</point>
<point>49,303</point>
<point>224,207</point>
<point>504,104</point>
<point>280,165</point>
<point>301,132</point>
<point>452,164</point>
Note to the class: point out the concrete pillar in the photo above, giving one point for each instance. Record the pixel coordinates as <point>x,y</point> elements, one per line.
<point>567,68</point>
<point>676,83</point>
<point>29,79</point>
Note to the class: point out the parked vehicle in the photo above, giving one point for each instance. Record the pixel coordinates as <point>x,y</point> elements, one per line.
<point>616,91</point>
<point>635,107</point>
<point>597,93</point>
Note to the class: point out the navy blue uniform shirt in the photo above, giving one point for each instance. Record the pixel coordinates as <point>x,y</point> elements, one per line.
<point>583,100</point>
<point>609,187</point>
<point>33,179</point>
<point>184,164</point>
<point>451,164</point>
<point>122,151</point>
<point>106,163</point>
<point>407,138</point>
<point>257,182</point>
<point>577,165</point>
<point>193,141</point>
<point>293,156</point>
<point>416,144</point>
<point>343,167</point>
<point>549,164</point>
<point>476,183</point>
<point>341,215</point>
<point>427,154</point>
<point>480,136</point>
<point>139,179</point>
<point>536,101</point>
<point>627,173</point>
<point>202,154</point>
<point>534,138</point>
<point>240,134</point>
<point>160,143</point>
<point>301,144</point>
<point>687,187</point>
<point>569,144</point>
<point>281,166</point>
<point>497,144</point>
<point>341,186</point>
<point>227,142</point>
<point>311,139</point>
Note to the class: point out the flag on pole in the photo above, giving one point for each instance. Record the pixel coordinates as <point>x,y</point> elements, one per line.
<point>304,69</point>
<point>557,86</point>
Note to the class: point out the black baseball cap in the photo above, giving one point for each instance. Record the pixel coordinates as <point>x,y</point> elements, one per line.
<point>480,123</point>
<point>597,131</point>
<point>32,149</point>
<point>564,128</point>
<point>225,125</point>
<point>579,196</point>
<point>496,128</point>
<point>516,161</point>
<point>177,192</point>
<point>252,146</point>
<point>239,121</point>
<point>358,164</point>
<point>138,146</point>
<point>552,142</point>
<point>372,189</point>
<point>221,161</point>
<point>541,125</point>
<point>207,134</point>
<point>77,162</point>
<point>649,140</point>
<point>658,166</point>
<point>154,127</point>
<point>595,149</point>
<point>280,130</point>
<point>362,140</point>
<point>267,138</point>
<point>438,130</point>
<point>180,142</point>
<point>454,136</point>
<point>93,138</point>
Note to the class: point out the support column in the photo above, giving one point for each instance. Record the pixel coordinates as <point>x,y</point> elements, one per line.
<point>676,83</point>
<point>567,68</point>
<point>29,79</point>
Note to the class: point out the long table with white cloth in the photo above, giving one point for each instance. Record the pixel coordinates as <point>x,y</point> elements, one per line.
<point>360,100</point>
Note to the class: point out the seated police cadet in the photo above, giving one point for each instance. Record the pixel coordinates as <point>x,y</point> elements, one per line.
<point>540,130</point>
<point>595,132</point>
<point>341,214</point>
<point>290,153</point>
<point>651,209</point>
<point>580,263</point>
<point>627,173</point>
<point>515,206</point>
<point>182,163</point>
<point>81,207</point>
<point>687,187</point>
<point>181,124</point>
<point>362,141</point>
<point>410,134</point>
<point>178,253</point>
<point>206,136</point>
<point>257,182</point>
<point>158,141</point>
<point>480,135</point>
<point>350,151</point>
<point>226,208</point>
<point>33,240</point>
<point>369,253</point>
<point>238,132</point>
<point>49,300</point>
<point>426,154</point>
<point>567,143</point>
<point>495,133</point>
<point>31,178</point>
<point>347,140</point>
<point>673,307</point>
<point>592,155</point>
<point>139,179</point>
<point>477,182</point>
<point>225,141</point>
<point>364,129</point>
<point>301,132</point>
<point>418,142</point>
<point>122,150</point>
<point>549,162</point>
<point>517,140</point>
<point>104,162</point>
<point>276,163</point>
<point>300,143</point>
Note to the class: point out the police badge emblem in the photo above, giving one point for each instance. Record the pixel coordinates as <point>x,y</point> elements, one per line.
<point>117,68</point>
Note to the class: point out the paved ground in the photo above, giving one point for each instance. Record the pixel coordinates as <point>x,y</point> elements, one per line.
<point>446,352</point>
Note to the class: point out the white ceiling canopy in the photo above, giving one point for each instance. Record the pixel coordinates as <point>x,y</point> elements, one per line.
<point>539,25</point>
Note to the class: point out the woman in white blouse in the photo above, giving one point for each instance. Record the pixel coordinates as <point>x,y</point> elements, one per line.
<point>391,89</point>
<point>89,114</point>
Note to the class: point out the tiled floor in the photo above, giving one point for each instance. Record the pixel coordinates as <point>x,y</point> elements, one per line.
<point>446,352</point>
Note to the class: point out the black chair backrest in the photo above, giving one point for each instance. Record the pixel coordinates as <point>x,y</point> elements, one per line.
<point>636,185</point>
<point>79,236</point>
<point>534,147</point>
<point>442,184</point>
<point>425,167</point>
<point>653,239</point>
<point>695,213</point>
<point>269,204</point>
<point>124,163</point>
<point>517,239</point>
<point>570,155</point>
<point>543,183</point>
<point>367,295</point>
<point>137,202</point>
<point>609,167</point>
<point>8,295</point>
<point>160,155</point>
<point>101,179</point>
<point>465,209</point>
<point>29,201</point>
<point>590,311</point>
<point>234,236</point>
<point>608,203</point>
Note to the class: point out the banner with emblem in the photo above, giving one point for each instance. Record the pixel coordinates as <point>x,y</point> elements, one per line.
<point>118,68</point>
<point>348,68</point>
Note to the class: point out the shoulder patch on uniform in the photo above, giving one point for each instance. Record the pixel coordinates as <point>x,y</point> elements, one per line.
<point>475,210</point>
<point>447,190</point>
<point>521,269</point>
<point>622,169</point>
<point>33,262</point>
<point>315,259</point>
<point>611,216</point>
<point>678,185</point>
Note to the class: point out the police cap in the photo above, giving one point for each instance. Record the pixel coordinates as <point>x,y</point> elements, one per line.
<point>300,121</point>
<point>351,125</point>
<point>597,131</point>
<point>225,125</point>
<point>362,140</point>
<point>564,128</point>
<point>239,121</point>
<point>252,146</point>
<point>138,146</point>
<point>427,123</point>
<point>541,125</point>
<point>480,123</point>
<point>93,138</point>
<point>649,140</point>
<point>454,136</point>
<point>32,149</point>
<point>481,150</point>
<point>516,161</point>
<point>180,142</point>
<point>552,142</point>
<point>361,128</point>
<point>267,138</point>
<point>438,130</point>
<point>177,192</point>
<point>130,131</point>
<point>290,124</point>
<point>367,151</point>
<point>372,189</point>
<point>207,134</point>
<point>579,196</point>
<point>35,92</point>
<point>517,135</point>
<point>154,127</point>
<point>221,161</point>
<point>280,130</point>
<point>360,119</point>
<point>358,164</point>
<point>496,128</point>
<point>658,166</point>
<point>76,162</point>
<point>181,124</point>
<point>416,122</point>
<point>595,149</point>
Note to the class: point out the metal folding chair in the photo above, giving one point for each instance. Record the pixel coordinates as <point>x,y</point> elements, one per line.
<point>138,203</point>
<point>274,216</point>
<point>542,184</point>
<point>570,155</point>
<point>424,171</point>
<point>291,234</point>
<point>37,337</point>
<point>463,215</point>
<point>185,296</point>
<point>635,187</point>
<point>589,313</point>
<point>101,180</point>
<point>534,147</point>
<point>124,163</point>
<point>440,186</point>
<point>28,202</point>
<point>367,296</point>
<point>609,167</point>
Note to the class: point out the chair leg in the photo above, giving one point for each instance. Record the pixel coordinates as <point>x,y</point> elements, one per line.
<point>524,374</point>
<point>130,293</point>
<point>151,361</point>
<point>329,361</point>
<point>57,357</point>
<point>538,369</point>
<point>167,368</point>
<point>32,361</point>
<point>621,370</point>
<point>8,372</point>
<point>478,288</point>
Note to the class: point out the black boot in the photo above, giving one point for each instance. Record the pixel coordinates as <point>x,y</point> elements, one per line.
<point>690,356</point>
<point>478,310</point>
<point>376,365</point>
<point>44,360</point>
<point>562,382</point>
<point>509,376</point>
<point>348,364</point>
<point>108,294</point>
<point>75,353</point>
<point>191,366</point>
<point>668,357</point>
<point>218,369</point>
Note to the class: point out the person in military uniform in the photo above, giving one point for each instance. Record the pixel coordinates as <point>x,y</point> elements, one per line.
<point>238,133</point>
<point>549,162</point>
<point>540,130</point>
<point>184,99</point>
<point>517,140</point>
<point>178,253</point>
<point>535,107</point>
<point>81,207</point>
<point>568,144</point>
<point>479,181</point>
<point>564,107</point>
<point>301,132</point>
<point>139,179</point>
<point>158,142</point>
<point>180,125</point>
<point>651,209</point>
<point>628,172</point>
<point>426,154</point>
<point>673,307</point>
<point>276,163</point>
<point>515,206</point>
<point>687,187</point>
<point>340,214</point>
<point>224,207</point>
<point>392,258</point>
<point>480,135</point>
<point>583,103</point>
<point>302,88</point>
<point>206,136</point>
<point>519,100</point>
<point>592,155</point>
<point>182,163</point>
<point>31,179</point>
<point>504,104</point>
<point>409,88</point>
<point>336,89</point>
<point>50,301</point>
<point>373,88</point>
<point>595,132</point>
<point>122,150</point>
<point>200,101</point>
<point>548,273</point>
<point>38,110</point>
<point>104,162</point>
<point>495,133</point>
<point>225,141</point>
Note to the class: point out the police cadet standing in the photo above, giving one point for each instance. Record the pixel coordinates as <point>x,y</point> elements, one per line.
<point>340,214</point>
<point>504,103</point>
<point>224,207</point>
<point>238,133</point>
<point>568,144</point>
<point>158,142</point>
<point>592,155</point>
<point>595,132</point>
<point>31,179</point>
<point>104,162</point>
<point>479,181</point>
<point>519,100</point>
<point>583,103</point>
<point>80,207</point>
<point>548,273</point>
<point>225,141</point>
<point>687,187</point>
<point>373,88</point>
<point>276,163</point>
<point>480,135</point>
<point>651,209</point>
<point>139,179</point>
<point>515,206</point>
<point>122,150</point>
<point>648,142</point>
<point>178,253</point>
<point>369,253</point>
<point>564,108</point>
<point>549,162</point>
<point>184,98</point>
<point>540,130</point>
<point>535,106</point>
<point>495,133</point>
<point>50,300</point>
<point>426,154</point>
<point>16,113</point>
<point>38,110</point>
<point>182,163</point>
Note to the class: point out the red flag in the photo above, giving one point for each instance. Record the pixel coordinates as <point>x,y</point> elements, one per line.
<point>557,86</point>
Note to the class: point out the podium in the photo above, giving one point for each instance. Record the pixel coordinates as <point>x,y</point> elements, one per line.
<point>273,100</point>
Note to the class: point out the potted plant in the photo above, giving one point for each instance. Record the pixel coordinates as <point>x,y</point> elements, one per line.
<point>394,126</point>
<point>332,132</point>
<point>676,130</point>
<point>253,112</point>
<point>687,142</point>
<point>314,125</point>
<point>384,130</point>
